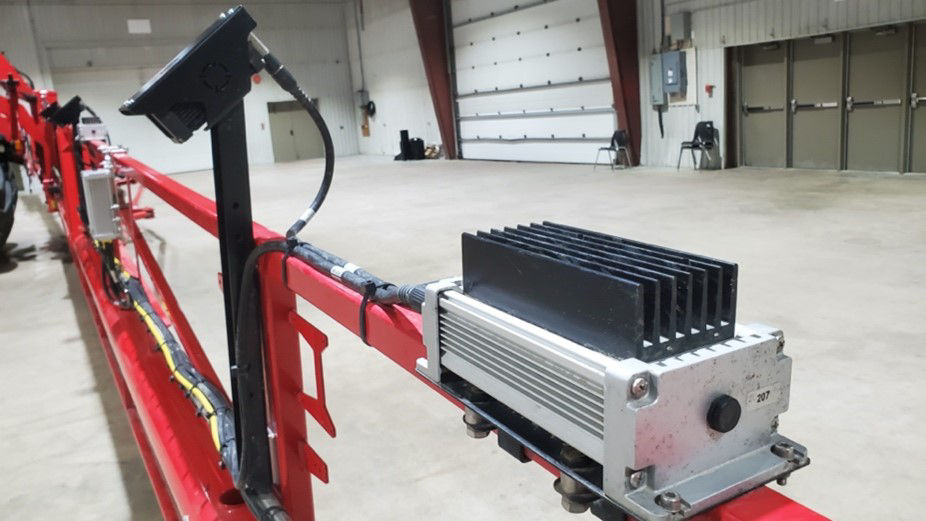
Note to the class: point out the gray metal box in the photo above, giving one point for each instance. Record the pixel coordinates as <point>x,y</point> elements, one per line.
<point>586,399</point>
<point>101,208</point>
<point>680,26</point>
<point>657,94</point>
<point>674,72</point>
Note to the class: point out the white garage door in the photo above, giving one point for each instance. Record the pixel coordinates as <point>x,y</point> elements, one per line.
<point>532,80</point>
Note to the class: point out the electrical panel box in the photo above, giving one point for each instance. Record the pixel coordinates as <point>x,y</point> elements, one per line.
<point>680,26</point>
<point>674,72</point>
<point>657,94</point>
<point>100,203</point>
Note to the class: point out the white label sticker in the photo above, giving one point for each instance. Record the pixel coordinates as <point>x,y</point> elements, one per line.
<point>762,397</point>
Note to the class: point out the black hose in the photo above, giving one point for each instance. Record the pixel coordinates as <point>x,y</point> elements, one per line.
<point>254,478</point>
<point>287,81</point>
<point>358,279</point>
<point>27,77</point>
<point>117,282</point>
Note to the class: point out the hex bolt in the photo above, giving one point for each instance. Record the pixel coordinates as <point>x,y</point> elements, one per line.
<point>639,387</point>
<point>573,507</point>
<point>783,450</point>
<point>576,497</point>
<point>636,479</point>
<point>477,427</point>
<point>670,501</point>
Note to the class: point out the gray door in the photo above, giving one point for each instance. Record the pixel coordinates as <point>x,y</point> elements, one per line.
<point>292,133</point>
<point>918,102</point>
<point>764,92</point>
<point>281,136</point>
<point>876,92</point>
<point>815,102</point>
<point>307,137</point>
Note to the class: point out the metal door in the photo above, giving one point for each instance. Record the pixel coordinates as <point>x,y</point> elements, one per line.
<point>816,92</point>
<point>918,102</point>
<point>763,77</point>
<point>307,138</point>
<point>876,92</point>
<point>282,136</point>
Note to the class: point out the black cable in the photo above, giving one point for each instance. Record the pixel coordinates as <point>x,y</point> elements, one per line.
<point>118,282</point>
<point>287,81</point>
<point>254,477</point>
<point>27,77</point>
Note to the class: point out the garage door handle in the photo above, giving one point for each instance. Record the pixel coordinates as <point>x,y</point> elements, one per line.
<point>795,106</point>
<point>749,109</point>
<point>851,103</point>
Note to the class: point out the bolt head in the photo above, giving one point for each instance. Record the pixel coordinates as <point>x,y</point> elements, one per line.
<point>574,507</point>
<point>670,501</point>
<point>783,450</point>
<point>476,434</point>
<point>637,479</point>
<point>639,387</point>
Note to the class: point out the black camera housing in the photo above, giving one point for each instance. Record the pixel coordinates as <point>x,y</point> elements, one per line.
<point>203,82</point>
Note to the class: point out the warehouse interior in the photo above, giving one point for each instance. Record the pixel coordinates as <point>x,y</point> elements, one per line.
<point>807,173</point>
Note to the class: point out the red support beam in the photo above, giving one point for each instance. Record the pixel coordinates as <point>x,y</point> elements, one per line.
<point>619,24</point>
<point>428,16</point>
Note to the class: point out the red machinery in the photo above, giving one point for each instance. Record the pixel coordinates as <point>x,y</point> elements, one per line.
<point>178,447</point>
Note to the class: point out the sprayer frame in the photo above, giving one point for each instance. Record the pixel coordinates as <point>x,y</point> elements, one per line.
<point>175,445</point>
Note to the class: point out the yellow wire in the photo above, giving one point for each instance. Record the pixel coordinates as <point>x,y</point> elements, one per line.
<point>186,384</point>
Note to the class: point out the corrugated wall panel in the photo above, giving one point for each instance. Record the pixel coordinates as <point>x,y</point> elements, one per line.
<point>309,38</point>
<point>394,75</point>
<point>721,23</point>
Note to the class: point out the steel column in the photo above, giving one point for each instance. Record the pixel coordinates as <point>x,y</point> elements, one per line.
<point>619,24</point>
<point>430,25</point>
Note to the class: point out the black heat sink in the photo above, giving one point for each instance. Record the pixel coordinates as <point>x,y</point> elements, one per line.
<point>621,297</point>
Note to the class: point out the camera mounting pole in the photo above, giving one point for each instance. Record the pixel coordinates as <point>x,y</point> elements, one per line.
<point>206,84</point>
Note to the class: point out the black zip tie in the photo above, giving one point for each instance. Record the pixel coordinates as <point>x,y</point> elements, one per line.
<point>369,294</point>
<point>291,243</point>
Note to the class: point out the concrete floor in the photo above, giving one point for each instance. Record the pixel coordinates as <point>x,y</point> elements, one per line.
<point>835,260</point>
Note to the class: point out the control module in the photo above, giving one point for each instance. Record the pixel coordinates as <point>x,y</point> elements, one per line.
<point>617,361</point>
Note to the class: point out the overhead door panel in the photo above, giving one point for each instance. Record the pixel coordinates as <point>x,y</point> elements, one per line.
<point>764,91</point>
<point>530,77</point>
<point>815,102</point>
<point>918,102</point>
<point>589,95</point>
<point>876,92</point>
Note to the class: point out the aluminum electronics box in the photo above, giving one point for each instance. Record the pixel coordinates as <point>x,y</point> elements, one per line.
<point>100,203</point>
<point>661,439</point>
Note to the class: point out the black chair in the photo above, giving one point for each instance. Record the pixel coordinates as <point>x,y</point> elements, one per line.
<point>703,141</point>
<point>619,143</point>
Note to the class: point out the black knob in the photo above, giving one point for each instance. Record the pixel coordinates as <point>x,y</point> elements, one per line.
<point>724,413</point>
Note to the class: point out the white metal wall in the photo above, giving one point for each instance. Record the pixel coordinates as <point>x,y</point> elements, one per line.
<point>89,52</point>
<point>532,80</point>
<point>394,75</point>
<point>723,23</point>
